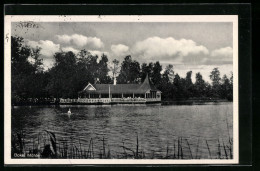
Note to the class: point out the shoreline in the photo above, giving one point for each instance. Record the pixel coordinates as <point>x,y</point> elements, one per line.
<point>163,102</point>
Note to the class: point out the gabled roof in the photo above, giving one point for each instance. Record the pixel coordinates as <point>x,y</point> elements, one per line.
<point>89,85</point>
<point>118,88</point>
<point>123,88</point>
<point>147,85</point>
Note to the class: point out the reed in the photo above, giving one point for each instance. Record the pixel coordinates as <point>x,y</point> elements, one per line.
<point>167,151</point>
<point>197,149</point>
<point>189,149</point>
<point>174,156</point>
<point>47,145</point>
<point>208,149</point>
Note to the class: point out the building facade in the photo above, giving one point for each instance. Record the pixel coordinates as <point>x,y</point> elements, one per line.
<point>120,93</point>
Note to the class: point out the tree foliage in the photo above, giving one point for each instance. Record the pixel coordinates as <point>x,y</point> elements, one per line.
<point>199,86</point>
<point>115,68</point>
<point>27,77</point>
<point>130,71</point>
<point>71,72</point>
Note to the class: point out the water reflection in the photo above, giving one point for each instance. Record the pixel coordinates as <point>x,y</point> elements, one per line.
<point>158,127</point>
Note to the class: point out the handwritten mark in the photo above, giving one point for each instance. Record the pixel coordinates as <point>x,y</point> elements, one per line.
<point>29,24</point>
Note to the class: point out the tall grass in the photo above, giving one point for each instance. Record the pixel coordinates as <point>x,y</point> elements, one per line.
<point>46,145</point>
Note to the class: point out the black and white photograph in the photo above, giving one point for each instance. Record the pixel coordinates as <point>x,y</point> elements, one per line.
<point>121,89</point>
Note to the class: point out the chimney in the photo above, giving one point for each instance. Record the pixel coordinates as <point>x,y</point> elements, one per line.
<point>114,80</point>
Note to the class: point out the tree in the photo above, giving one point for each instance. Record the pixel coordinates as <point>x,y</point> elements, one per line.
<point>63,82</point>
<point>19,57</point>
<point>208,90</point>
<point>230,97</point>
<point>169,73</point>
<point>130,71</point>
<point>188,78</point>
<point>37,61</point>
<point>226,89</point>
<point>188,85</point>
<point>115,68</point>
<point>24,73</point>
<point>71,73</point>
<point>178,85</point>
<point>146,69</point>
<point>199,80</point>
<point>231,79</point>
<point>166,85</point>
<point>84,73</point>
<point>154,72</point>
<point>215,77</point>
<point>176,80</point>
<point>156,75</point>
<point>102,70</point>
<point>199,86</point>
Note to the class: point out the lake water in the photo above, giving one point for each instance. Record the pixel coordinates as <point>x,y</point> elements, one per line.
<point>203,130</point>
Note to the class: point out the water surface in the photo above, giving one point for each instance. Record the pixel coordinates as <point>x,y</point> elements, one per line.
<point>158,127</point>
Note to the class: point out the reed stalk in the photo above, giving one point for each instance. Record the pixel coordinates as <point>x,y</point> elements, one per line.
<point>189,149</point>
<point>61,149</point>
<point>208,149</point>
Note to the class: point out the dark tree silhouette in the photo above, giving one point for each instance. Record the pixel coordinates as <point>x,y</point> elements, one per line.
<point>130,71</point>
<point>215,77</point>
<point>72,72</point>
<point>26,77</point>
<point>115,68</point>
<point>199,86</point>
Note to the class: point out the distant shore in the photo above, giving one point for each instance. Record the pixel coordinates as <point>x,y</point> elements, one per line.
<point>191,101</point>
<point>163,102</point>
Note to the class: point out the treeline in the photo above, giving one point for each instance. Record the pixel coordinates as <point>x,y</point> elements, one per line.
<point>71,72</point>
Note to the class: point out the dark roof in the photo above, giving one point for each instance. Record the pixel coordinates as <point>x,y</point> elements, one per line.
<point>124,88</point>
<point>147,85</point>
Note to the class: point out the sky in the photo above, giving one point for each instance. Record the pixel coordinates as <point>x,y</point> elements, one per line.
<point>188,46</point>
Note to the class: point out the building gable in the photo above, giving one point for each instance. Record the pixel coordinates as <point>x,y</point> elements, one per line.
<point>90,87</point>
<point>145,87</point>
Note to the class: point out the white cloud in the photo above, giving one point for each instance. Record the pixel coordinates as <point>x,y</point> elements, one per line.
<point>48,63</point>
<point>225,52</point>
<point>80,41</point>
<point>31,60</point>
<point>221,56</point>
<point>98,53</point>
<point>119,50</point>
<point>67,49</point>
<point>156,48</point>
<point>48,48</point>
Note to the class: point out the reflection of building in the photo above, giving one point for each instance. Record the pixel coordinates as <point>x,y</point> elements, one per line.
<point>120,93</point>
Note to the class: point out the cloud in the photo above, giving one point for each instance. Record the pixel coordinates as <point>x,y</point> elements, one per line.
<point>80,41</point>
<point>165,49</point>
<point>119,50</point>
<point>225,52</point>
<point>48,48</point>
<point>48,63</point>
<point>98,53</point>
<point>67,49</point>
<point>220,56</point>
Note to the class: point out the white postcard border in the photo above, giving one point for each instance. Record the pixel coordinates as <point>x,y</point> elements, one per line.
<point>115,18</point>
